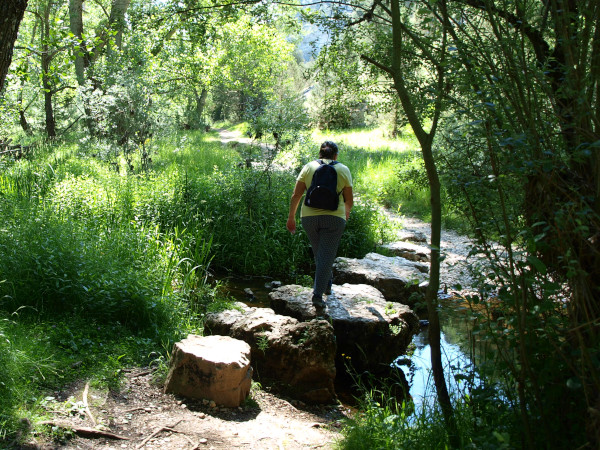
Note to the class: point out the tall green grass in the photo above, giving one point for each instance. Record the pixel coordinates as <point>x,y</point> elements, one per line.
<point>390,172</point>
<point>102,267</point>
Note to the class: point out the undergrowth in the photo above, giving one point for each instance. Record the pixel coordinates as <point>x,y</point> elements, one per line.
<point>106,263</point>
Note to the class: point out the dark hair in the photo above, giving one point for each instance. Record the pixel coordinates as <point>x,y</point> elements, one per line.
<point>328,150</point>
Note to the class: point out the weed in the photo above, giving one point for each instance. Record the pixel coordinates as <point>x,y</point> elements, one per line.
<point>262,342</point>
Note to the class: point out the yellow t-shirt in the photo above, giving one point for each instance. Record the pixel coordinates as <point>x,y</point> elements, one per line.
<point>344,179</point>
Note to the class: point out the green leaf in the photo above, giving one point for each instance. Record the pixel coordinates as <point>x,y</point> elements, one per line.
<point>537,263</point>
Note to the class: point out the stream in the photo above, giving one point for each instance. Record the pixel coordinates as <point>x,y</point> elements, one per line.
<point>417,368</point>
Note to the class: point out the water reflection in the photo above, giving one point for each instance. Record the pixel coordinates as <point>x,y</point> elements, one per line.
<point>456,357</point>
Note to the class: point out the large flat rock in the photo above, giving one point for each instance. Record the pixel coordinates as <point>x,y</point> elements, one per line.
<point>369,330</point>
<point>296,357</point>
<point>408,250</point>
<point>395,277</point>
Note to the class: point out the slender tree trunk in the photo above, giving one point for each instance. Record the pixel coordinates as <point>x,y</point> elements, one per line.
<point>426,142</point>
<point>76,26</point>
<point>23,122</point>
<point>11,14</point>
<point>46,82</point>
<point>200,104</point>
<point>161,43</point>
<point>22,119</point>
<point>117,19</point>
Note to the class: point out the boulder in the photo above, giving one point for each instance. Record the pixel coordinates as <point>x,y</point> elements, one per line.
<point>408,250</point>
<point>395,277</point>
<point>412,236</point>
<point>296,357</point>
<point>370,332</point>
<point>210,367</point>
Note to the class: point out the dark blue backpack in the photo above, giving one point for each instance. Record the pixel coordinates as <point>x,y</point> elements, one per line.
<point>322,192</point>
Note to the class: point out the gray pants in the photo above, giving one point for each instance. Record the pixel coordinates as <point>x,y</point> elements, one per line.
<point>324,233</point>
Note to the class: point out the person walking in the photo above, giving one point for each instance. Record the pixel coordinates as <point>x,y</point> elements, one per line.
<point>324,227</point>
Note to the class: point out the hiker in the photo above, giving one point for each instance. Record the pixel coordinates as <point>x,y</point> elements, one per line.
<point>324,227</point>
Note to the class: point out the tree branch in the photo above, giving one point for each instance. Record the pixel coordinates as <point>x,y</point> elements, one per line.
<point>378,64</point>
<point>29,49</point>
<point>540,46</point>
<point>62,88</point>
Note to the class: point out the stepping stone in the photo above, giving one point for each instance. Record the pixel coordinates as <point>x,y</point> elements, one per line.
<point>297,357</point>
<point>210,367</point>
<point>407,250</point>
<point>370,332</point>
<point>395,277</point>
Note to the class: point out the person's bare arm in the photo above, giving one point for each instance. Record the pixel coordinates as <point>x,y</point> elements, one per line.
<point>294,202</point>
<point>348,199</point>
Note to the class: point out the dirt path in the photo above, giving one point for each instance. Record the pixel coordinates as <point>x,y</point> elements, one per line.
<point>147,418</point>
<point>227,136</point>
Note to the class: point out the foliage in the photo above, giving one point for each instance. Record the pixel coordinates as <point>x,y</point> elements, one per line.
<point>125,115</point>
<point>285,119</point>
<point>511,162</point>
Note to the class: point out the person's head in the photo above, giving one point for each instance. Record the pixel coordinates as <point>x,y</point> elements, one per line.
<point>329,150</point>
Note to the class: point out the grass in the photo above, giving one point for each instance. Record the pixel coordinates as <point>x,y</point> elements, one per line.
<point>104,268</point>
<point>388,425</point>
<point>384,420</point>
<point>390,172</point>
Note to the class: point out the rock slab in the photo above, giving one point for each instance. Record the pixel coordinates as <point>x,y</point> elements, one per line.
<point>370,331</point>
<point>395,277</point>
<point>408,250</point>
<point>297,357</point>
<point>210,367</point>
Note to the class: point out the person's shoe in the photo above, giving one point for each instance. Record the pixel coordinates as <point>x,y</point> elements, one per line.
<point>320,306</point>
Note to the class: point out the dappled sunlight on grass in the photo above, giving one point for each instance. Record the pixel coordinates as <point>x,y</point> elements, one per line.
<point>368,139</point>
<point>195,151</point>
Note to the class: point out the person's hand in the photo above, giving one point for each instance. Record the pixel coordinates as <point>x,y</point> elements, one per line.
<point>291,225</point>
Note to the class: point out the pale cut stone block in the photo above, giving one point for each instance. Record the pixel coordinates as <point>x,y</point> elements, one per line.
<point>210,367</point>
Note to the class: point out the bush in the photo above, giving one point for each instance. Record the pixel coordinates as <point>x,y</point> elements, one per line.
<point>60,267</point>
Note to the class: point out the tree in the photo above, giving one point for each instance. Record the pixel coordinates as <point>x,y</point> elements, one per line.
<point>79,51</point>
<point>11,12</point>
<point>527,120</point>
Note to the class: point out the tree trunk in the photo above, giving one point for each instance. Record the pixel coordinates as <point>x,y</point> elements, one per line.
<point>200,104</point>
<point>11,14</point>
<point>23,122</point>
<point>46,83</point>
<point>426,142</point>
<point>22,119</point>
<point>76,26</point>
<point>117,19</point>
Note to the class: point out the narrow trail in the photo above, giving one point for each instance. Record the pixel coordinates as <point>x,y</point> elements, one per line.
<point>455,247</point>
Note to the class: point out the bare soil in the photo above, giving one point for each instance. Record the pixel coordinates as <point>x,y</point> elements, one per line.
<point>141,416</point>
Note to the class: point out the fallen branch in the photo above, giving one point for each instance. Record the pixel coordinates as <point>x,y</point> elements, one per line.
<point>85,432</point>
<point>85,404</point>
<point>134,409</point>
<point>160,430</point>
